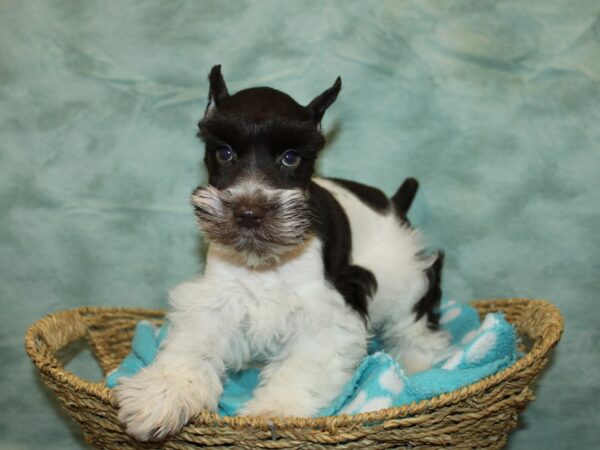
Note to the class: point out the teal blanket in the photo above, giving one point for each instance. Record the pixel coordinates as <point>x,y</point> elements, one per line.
<point>478,350</point>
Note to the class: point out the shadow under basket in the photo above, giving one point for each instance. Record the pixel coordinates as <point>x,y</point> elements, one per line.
<point>479,415</point>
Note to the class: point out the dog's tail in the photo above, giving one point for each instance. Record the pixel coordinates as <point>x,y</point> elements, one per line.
<point>404,196</point>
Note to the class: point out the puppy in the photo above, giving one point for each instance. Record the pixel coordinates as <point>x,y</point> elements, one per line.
<point>299,272</point>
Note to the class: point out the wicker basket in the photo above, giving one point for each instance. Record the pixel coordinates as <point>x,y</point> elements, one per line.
<point>476,416</point>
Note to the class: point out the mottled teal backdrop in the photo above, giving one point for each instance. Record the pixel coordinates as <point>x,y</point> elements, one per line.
<point>493,105</point>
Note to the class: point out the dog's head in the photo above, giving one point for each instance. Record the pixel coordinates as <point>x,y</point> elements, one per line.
<point>261,147</point>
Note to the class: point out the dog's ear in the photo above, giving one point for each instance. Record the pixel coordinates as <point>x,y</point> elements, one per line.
<point>323,101</point>
<point>218,88</point>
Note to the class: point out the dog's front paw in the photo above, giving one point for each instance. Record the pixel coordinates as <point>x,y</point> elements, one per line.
<point>154,403</point>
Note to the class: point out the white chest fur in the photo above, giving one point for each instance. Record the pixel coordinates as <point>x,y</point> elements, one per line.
<point>265,308</point>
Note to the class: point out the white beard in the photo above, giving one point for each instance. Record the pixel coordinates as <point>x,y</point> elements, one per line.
<point>287,225</point>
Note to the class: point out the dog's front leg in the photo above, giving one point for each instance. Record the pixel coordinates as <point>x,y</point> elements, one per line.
<point>310,374</point>
<point>186,376</point>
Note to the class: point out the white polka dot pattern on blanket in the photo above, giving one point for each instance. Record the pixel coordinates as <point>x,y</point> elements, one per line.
<point>376,403</point>
<point>354,406</point>
<point>453,361</point>
<point>489,322</point>
<point>469,337</point>
<point>481,347</point>
<point>391,381</point>
<point>450,315</point>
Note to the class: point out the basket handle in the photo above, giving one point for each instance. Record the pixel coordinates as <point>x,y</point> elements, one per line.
<point>543,322</point>
<point>48,336</point>
<point>54,332</point>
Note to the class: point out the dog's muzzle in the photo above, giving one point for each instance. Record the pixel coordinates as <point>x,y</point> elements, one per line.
<point>262,221</point>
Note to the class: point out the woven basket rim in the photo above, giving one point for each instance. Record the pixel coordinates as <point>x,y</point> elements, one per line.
<point>50,366</point>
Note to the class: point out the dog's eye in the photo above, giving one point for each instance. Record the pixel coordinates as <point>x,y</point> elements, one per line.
<point>290,159</point>
<point>224,154</point>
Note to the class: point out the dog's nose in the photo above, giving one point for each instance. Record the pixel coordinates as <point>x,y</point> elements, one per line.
<point>249,216</point>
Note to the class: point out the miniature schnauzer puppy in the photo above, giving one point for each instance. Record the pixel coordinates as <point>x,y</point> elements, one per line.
<point>300,271</point>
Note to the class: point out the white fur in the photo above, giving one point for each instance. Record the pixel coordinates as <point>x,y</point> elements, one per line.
<point>392,252</point>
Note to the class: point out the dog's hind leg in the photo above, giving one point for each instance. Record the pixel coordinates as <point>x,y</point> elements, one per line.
<point>416,346</point>
<point>416,341</point>
<point>429,304</point>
